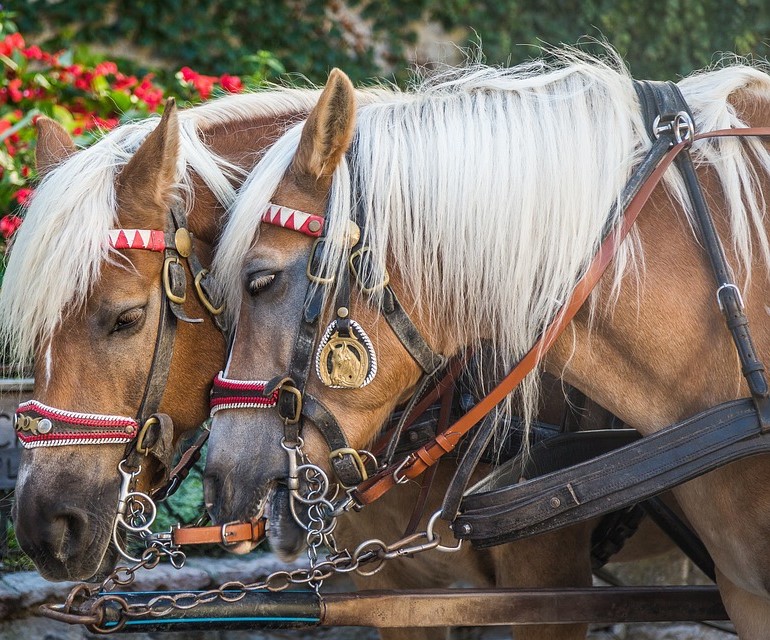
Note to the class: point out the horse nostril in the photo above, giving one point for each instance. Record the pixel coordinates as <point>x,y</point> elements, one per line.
<point>68,533</point>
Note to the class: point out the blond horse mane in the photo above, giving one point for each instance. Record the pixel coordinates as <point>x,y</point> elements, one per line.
<point>489,189</point>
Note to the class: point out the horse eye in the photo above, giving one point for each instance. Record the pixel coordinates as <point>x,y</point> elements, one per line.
<point>128,319</point>
<point>258,283</point>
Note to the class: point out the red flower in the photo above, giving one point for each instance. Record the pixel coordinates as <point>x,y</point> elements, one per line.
<point>8,225</point>
<point>202,84</point>
<point>23,195</point>
<point>149,94</point>
<point>188,75</point>
<point>34,53</point>
<point>123,82</point>
<point>14,90</point>
<point>232,84</point>
<point>105,68</point>
<point>11,42</point>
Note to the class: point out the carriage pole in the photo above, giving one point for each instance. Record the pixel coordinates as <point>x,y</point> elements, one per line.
<point>431,608</point>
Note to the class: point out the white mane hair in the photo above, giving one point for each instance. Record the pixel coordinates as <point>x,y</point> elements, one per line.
<point>489,189</point>
<point>60,248</point>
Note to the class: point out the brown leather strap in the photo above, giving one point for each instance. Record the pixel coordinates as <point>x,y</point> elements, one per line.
<point>427,479</point>
<point>420,460</point>
<point>226,534</point>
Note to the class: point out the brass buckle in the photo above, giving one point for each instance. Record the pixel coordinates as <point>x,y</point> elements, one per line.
<point>359,253</point>
<point>347,451</point>
<point>214,311</point>
<point>290,388</point>
<point>311,258</point>
<point>140,448</point>
<point>167,284</point>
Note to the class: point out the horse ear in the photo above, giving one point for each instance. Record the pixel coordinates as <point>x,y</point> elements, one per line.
<point>146,184</point>
<point>328,130</point>
<point>54,145</point>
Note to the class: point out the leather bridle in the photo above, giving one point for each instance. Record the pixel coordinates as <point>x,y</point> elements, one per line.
<point>39,425</point>
<point>287,392</point>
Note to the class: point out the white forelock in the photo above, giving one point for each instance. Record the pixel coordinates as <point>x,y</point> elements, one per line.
<point>60,248</point>
<point>490,188</point>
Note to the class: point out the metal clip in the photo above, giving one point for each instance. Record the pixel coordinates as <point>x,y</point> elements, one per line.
<point>681,125</point>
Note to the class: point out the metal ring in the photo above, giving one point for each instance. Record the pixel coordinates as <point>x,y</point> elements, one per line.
<point>432,535</point>
<point>205,301</point>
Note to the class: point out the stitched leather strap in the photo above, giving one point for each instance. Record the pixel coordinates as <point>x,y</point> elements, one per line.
<point>665,459</point>
<point>227,534</point>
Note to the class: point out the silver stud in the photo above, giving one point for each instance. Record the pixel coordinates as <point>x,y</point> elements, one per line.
<point>44,426</point>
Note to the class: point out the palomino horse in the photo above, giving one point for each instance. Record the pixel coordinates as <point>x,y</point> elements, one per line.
<point>483,197</point>
<point>90,314</point>
<point>93,338</point>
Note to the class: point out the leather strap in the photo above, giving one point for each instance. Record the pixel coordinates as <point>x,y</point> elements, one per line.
<point>655,463</point>
<point>226,534</point>
<point>182,469</point>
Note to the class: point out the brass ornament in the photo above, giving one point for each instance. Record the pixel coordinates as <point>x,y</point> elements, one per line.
<point>183,242</point>
<point>346,362</point>
<point>32,425</point>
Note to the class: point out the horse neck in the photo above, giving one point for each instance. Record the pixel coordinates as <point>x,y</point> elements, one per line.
<point>662,352</point>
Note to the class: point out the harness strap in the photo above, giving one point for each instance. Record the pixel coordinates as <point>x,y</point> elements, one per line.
<point>618,479</point>
<point>670,99</point>
<point>345,461</point>
<point>182,469</point>
<point>226,534</point>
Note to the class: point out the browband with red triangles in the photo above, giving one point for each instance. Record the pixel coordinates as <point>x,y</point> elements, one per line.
<point>149,239</point>
<point>306,223</point>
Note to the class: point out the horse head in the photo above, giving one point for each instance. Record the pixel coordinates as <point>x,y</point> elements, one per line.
<point>313,352</point>
<point>85,294</point>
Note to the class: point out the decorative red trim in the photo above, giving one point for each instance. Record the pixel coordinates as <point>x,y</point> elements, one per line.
<point>245,401</point>
<point>122,435</point>
<point>148,239</point>
<point>307,223</point>
<point>80,419</point>
<point>228,393</point>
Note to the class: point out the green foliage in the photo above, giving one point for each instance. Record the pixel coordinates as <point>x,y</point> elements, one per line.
<point>663,40</point>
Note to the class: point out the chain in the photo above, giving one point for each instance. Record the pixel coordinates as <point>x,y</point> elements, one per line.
<point>86,604</point>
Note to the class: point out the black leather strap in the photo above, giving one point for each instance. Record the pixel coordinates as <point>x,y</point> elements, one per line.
<point>655,463</point>
<point>344,463</point>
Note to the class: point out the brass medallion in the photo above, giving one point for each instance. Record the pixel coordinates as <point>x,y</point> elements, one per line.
<point>343,362</point>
